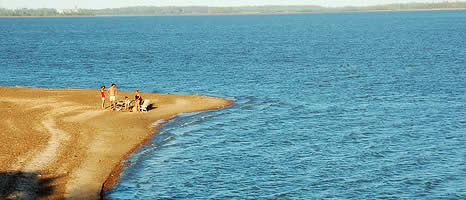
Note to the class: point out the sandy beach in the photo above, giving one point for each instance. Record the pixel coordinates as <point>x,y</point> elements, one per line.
<point>59,144</point>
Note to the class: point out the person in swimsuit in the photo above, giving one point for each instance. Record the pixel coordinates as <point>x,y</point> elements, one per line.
<point>112,92</point>
<point>102,93</point>
<point>137,96</point>
<point>137,101</point>
<point>127,103</point>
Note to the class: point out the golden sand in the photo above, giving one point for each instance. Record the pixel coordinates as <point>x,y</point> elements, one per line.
<point>57,144</point>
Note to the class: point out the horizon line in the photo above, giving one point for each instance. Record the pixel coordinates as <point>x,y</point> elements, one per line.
<point>239,6</point>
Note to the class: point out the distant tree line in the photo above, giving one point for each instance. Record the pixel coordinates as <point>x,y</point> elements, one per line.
<point>148,10</point>
<point>28,12</point>
<point>172,10</point>
<point>41,12</point>
<point>407,6</point>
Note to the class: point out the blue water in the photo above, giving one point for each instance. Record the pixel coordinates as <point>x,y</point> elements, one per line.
<point>328,106</point>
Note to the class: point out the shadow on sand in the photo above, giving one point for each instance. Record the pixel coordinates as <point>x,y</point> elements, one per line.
<point>26,185</point>
<point>151,107</point>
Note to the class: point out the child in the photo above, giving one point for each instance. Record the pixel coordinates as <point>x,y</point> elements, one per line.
<point>127,102</point>
<point>102,93</point>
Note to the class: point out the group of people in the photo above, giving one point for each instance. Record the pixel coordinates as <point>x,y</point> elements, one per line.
<point>112,92</point>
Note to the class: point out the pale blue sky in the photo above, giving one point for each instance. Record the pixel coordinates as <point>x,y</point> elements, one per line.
<point>97,4</point>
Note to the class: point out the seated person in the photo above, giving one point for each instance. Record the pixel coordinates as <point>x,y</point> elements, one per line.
<point>126,102</point>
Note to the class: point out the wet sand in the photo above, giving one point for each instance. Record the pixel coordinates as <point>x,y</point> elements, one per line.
<point>59,144</point>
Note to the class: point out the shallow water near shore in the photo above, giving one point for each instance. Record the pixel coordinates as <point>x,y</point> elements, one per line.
<point>342,105</point>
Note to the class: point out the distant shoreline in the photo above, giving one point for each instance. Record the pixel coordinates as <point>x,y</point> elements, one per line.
<point>243,13</point>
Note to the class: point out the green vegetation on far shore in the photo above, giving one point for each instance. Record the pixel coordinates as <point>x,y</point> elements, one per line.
<point>25,12</point>
<point>204,10</point>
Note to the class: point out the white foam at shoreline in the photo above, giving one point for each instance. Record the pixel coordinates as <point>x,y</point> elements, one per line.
<point>160,121</point>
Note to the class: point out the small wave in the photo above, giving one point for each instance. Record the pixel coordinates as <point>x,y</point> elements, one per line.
<point>161,121</point>
<point>214,115</point>
<point>191,122</point>
<point>188,114</point>
<point>168,139</point>
<point>251,105</point>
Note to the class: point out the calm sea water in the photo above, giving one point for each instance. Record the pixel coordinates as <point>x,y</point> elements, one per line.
<point>328,106</point>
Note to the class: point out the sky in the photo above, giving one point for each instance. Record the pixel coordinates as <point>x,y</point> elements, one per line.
<point>99,4</point>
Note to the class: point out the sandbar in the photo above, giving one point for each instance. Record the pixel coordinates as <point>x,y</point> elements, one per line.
<point>59,143</point>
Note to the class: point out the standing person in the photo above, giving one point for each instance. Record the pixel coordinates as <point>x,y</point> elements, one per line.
<point>102,93</point>
<point>112,92</point>
<point>137,101</point>
<point>137,96</point>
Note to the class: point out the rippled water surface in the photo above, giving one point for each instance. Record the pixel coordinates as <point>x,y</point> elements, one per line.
<point>338,106</point>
